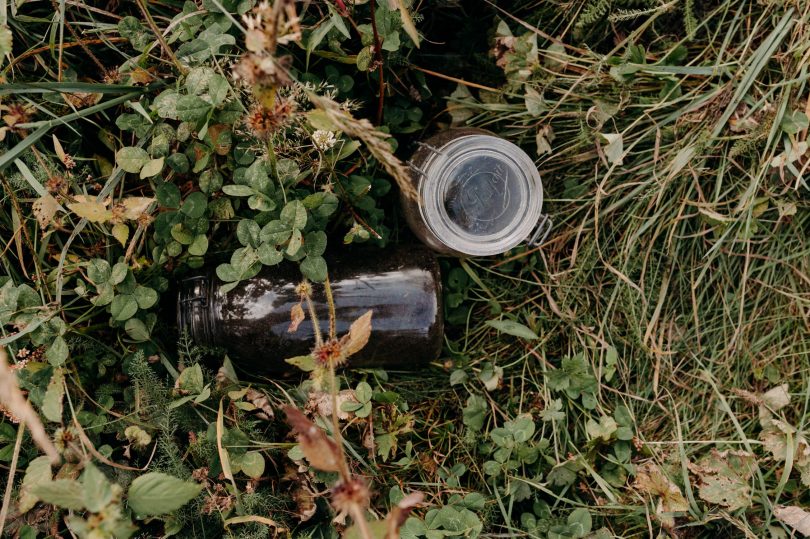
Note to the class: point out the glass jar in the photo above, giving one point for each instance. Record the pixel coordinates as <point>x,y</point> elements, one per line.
<point>478,195</point>
<point>401,286</point>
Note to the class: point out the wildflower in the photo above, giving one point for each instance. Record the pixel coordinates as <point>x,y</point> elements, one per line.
<point>263,122</point>
<point>323,140</point>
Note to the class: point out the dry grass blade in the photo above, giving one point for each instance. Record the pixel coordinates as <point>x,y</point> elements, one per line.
<point>12,399</point>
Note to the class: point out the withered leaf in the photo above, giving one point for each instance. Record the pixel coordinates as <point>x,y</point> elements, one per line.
<point>795,517</point>
<point>651,480</point>
<point>134,207</point>
<point>296,317</point>
<point>357,337</point>
<point>44,209</point>
<point>319,450</point>
<point>399,513</point>
<point>89,208</point>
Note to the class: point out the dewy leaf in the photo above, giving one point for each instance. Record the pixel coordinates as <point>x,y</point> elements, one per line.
<point>157,493</point>
<point>52,402</point>
<point>795,517</point>
<point>131,159</point>
<point>319,450</point>
<point>511,327</point>
<point>358,335</point>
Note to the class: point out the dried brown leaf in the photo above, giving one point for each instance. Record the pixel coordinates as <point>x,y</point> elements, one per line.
<point>358,335</point>
<point>651,480</point>
<point>319,450</point>
<point>87,207</point>
<point>399,514</point>
<point>44,209</point>
<point>795,517</point>
<point>296,317</point>
<point>134,207</point>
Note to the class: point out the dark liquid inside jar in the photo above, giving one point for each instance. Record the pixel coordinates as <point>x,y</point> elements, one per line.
<point>402,288</point>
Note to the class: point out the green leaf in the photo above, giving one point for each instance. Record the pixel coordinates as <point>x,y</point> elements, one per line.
<point>794,122</point>
<point>145,297</point>
<point>238,190</point>
<point>118,273</point>
<point>296,241</point>
<point>123,307</point>
<point>136,330</point>
<point>58,352</point>
<point>199,246</point>
<point>166,104</point>
<point>253,464</point>
<point>315,243</point>
<point>195,204</point>
<point>66,493</point>
<point>475,412</point>
<point>511,327</point>
<point>294,215</point>
<point>152,168</point>
<point>157,493</point>
<point>168,195</point>
<point>131,159</point>
<point>275,232</point>
<point>37,473</point>
<point>580,519</point>
<point>305,363</point>
<point>52,402</point>
<point>98,271</point>
<point>191,108</point>
<point>314,268</point>
<point>248,231</point>
<point>98,491</point>
<point>191,379</point>
<point>269,255</point>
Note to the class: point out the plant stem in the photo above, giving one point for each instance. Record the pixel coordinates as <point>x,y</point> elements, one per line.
<point>378,58</point>
<point>330,300</point>
<point>168,50</point>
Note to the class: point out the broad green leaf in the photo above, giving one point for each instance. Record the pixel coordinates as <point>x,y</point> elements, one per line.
<point>145,297</point>
<point>168,195</point>
<point>306,363</point>
<point>98,271</point>
<point>248,231</point>
<point>314,268</point>
<point>238,190</point>
<point>98,491</point>
<point>191,379</point>
<point>269,255</point>
<point>191,108</point>
<point>199,246</point>
<point>58,352</point>
<point>120,232</point>
<point>123,307</point>
<point>252,464</point>
<point>511,327</point>
<point>131,159</point>
<point>136,330</point>
<point>195,204</point>
<point>157,493</point>
<point>65,493</point>
<point>37,473</point>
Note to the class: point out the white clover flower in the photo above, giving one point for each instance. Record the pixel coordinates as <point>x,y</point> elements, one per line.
<point>323,140</point>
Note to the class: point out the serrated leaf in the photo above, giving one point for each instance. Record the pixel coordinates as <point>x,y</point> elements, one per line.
<point>513,328</point>
<point>157,493</point>
<point>65,493</point>
<point>37,473</point>
<point>98,491</point>
<point>52,402</point>
<point>131,159</point>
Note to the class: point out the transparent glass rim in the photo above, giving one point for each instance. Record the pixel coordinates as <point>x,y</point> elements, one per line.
<point>437,173</point>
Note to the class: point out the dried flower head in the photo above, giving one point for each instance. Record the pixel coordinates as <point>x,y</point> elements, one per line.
<point>263,122</point>
<point>350,498</point>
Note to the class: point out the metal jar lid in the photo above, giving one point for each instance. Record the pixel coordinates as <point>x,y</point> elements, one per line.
<point>481,195</point>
